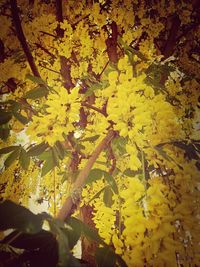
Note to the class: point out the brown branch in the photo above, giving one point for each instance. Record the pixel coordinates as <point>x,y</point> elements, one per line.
<point>40,64</point>
<point>21,37</point>
<point>112,159</point>
<point>45,50</point>
<point>95,108</point>
<point>66,209</point>
<point>171,41</point>
<point>111,44</point>
<point>65,68</point>
<point>65,73</point>
<point>59,12</point>
<point>49,34</point>
<point>59,17</point>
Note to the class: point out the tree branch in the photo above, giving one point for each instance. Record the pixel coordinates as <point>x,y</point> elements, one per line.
<point>66,209</point>
<point>45,50</point>
<point>21,37</point>
<point>95,108</point>
<point>111,44</point>
<point>171,41</point>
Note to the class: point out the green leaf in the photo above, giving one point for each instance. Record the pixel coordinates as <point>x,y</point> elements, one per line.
<point>30,241</point>
<point>90,139</point>
<point>17,217</point>
<point>35,79</point>
<point>64,178</point>
<point>107,197</point>
<point>37,92</point>
<point>63,249</point>
<point>55,156</point>
<point>111,181</point>
<point>4,133</point>
<point>73,233</point>
<point>49,164</point>
<point>93,88</point>
<point>45,155</point>
<point>8,149</point>
<point>60,150</point>
<point>12,157</point>
<point>94,175</point>
<point>128,49</point>
<point>88,232</point>
<point>105,257</point>
<point>24,159</point>
<point>162,153</point>
<point>130,173</point>
<point>98,193</point>
<point>20,118</point>
<point>11,105</point>
<point>119,144</point>
<point>5,117</point>
<point>37,149</point>
<point>62,239</point>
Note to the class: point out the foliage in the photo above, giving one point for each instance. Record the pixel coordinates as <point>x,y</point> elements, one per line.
<point>72,73</point>
<point>30,245</point>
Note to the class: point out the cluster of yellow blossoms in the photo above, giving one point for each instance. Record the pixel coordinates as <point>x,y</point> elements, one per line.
<point>59,117</point>
<point>150,103</point>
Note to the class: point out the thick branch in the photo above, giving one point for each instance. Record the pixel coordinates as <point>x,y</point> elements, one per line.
<point>21,37</point>
<point>59,14</point>
<point>65,210</point>
<point>171,41</point>
<point>59,17</point>
<point>111,44</point>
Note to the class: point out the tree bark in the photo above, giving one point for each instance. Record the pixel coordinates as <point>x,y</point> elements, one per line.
<point>67,207</point>
<point>21,37</point>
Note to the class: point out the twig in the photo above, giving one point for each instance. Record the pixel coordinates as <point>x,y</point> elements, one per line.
<point>65,210</point>
<point>45,50</point>
<point>95,108</point>
<point>21,37</point>
<point>47,33</point>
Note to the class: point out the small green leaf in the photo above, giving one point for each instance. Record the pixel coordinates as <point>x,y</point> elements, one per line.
<point>73,233</point>
<point>18,217</point>
<point>64,178</point>
<point>12,157</point>
<point>107,197</point>
<point>162,153</point>
<point>105,257</point>
<point>60,149</point>
<point>57,228</point>
<point>88,232</point>
<point>24,159</point>
<point>98,193</point>
<point>8,149</point>
<point>111,181</point>
<point>130,173</point>
<point>94,175</point>
<point>46,155</point>
<point>49,164</point>
<point>90,139</point>
<point>55,156</point>
<point>63,249</point>
<point>35,79</point>
<point>36,150</point>
<point>5,117</point>
<point>20,118</point>
<point>93,88</point>
<point>37,92</point>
